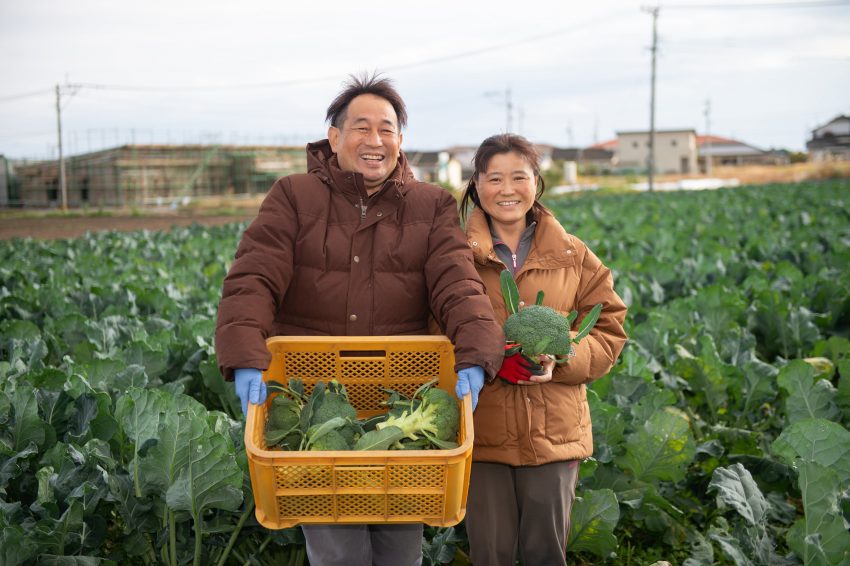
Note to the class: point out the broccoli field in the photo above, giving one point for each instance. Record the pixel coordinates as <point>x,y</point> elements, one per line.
<point>722,436</point>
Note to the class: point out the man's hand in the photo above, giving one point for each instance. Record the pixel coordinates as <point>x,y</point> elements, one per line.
<point>249,387</point>
<point>470,381</point>
<point>516,367</point>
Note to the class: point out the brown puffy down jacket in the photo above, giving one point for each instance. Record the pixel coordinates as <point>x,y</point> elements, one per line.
<point>529,425</point>
<point>323,258</point>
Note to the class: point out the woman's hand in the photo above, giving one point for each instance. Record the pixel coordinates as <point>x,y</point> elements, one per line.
<point>548,363</point>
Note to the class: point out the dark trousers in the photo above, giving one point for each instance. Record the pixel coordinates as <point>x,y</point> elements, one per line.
<point>363,545</point>
<point>520,510</point>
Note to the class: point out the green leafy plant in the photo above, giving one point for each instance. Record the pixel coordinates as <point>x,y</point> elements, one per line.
<point>109,389</point>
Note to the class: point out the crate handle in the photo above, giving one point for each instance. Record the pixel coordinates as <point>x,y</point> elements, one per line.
<point>363,354</point>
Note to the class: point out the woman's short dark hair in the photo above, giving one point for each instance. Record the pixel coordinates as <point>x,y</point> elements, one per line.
<point>365,84</point>
<point>496,145</point>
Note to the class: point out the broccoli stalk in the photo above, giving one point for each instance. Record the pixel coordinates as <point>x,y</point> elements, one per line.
<point>538,329</point>
<point>436,419</point>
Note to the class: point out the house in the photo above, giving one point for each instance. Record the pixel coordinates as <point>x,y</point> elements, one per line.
<point>674,146</point>
<point>463,154</point>
<point>675,151</point>
<point>436,167</point>
<point>726,151</point>
<point>132,175</point>
<point>589,160</point>
<point>545,153</point>
<point>831,142</point>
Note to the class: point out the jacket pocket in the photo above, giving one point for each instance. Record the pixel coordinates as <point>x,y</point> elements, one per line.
<point>490,417</point>
<point>564,413</point>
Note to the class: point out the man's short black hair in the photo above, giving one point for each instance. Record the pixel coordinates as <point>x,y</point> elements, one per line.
<point>366,84</point>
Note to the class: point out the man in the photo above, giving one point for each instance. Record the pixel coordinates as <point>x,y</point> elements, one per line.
<point>356,246</point>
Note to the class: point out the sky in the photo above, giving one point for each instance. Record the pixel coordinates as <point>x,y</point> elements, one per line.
<point>566,73</point>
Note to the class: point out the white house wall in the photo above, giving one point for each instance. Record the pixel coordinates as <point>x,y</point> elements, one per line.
<point>675,151</point>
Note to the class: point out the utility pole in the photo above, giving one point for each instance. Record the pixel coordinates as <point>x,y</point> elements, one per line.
<point>595,129</point>
<point>509,107</point>
<point>651,165</point>
<point>63,186</point>
<point>708,156</point>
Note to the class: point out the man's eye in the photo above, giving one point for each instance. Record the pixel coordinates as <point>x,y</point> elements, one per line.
<point>387,132</point>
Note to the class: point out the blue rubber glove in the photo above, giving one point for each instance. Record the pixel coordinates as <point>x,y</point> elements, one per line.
<point>249,387</point>
<point>470,381</point>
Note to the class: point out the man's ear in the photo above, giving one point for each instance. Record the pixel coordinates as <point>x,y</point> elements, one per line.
<point>333,138</point>
<point>400,139</point>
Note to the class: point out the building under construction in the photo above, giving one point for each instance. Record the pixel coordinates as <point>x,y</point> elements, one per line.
<point>139,175</point>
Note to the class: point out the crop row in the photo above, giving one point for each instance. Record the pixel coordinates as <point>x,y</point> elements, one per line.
<point>720,437</point>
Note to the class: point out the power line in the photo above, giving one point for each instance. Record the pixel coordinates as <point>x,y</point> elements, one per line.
<point>26,95</point>
<point>813,4</point>
<point>606,18</point>
<point>99,86</point>
<point>294,82</point>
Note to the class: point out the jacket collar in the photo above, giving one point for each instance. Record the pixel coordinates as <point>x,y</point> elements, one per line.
<point>553,248</point>
<point>322,162</point>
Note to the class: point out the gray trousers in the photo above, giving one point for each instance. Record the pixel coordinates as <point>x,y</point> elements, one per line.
<point>363,545</point>
<point>524,510</point>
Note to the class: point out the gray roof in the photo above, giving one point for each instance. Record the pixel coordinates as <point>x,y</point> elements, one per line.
<point>423,158</point>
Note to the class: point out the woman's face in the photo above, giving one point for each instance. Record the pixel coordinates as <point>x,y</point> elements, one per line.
<point>507,188</point>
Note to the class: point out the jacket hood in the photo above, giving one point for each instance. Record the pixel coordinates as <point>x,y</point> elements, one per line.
<point>322,162</point>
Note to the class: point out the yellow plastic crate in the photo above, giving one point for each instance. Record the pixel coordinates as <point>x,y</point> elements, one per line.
<point>380,486</point>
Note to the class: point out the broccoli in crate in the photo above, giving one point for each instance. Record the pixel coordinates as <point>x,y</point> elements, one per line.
<point>536,329</point>
<point>430,418</point>
<point>325,420</point>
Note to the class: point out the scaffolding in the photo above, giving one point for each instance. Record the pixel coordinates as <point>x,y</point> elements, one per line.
<point>142,175</point>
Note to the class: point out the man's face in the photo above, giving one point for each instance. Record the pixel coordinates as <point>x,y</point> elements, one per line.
<point>368,141</point>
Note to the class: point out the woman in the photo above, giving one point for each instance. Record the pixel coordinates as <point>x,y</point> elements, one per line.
<point>532,430</point>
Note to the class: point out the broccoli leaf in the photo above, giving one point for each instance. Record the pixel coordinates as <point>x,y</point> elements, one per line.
<point>510,292</point>
<point>444,444</point>
<point>315,433</point>
<point>588,323</point>
<point>379,439</point>
<point>311,405</point>
<point>595,515</point>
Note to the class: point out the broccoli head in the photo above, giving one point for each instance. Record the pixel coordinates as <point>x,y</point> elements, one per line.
<point>333,405</point>
<point>539,330</point>
<point>282,424</point>
<point>331,440</point>
<point>284,412</point>
<point>446,415</point>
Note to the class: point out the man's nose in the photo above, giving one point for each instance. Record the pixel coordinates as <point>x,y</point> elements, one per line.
<point>373,137</point>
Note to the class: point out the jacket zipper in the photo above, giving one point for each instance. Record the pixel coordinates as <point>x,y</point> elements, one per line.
<point>362,209</point>
<point>513,258</point>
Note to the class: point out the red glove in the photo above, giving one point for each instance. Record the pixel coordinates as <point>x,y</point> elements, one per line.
<point>516,367</point>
